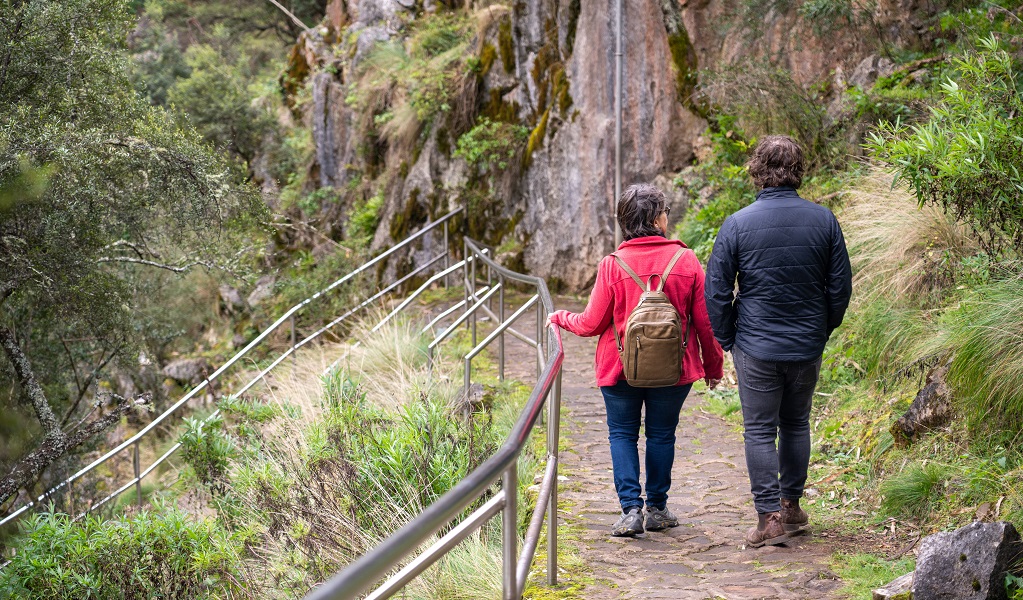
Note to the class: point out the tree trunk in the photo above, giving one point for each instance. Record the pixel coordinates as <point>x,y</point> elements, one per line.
<point>29,384</point>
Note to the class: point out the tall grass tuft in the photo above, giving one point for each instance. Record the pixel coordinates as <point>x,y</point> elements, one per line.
<point>900,253</point>
<point>984,334</point>
<point>915,490</point>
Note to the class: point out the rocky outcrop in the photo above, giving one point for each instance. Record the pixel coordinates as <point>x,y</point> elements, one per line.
<point>931,409</point>
<point>969,563</point>
<point>549,65</point>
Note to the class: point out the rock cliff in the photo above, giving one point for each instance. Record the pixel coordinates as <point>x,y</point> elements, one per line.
<point>546,66</point>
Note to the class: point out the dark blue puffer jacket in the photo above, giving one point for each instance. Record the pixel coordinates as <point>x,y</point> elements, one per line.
<point>794,278</point>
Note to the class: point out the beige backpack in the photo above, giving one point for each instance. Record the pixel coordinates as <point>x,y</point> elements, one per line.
<point>654,343</point>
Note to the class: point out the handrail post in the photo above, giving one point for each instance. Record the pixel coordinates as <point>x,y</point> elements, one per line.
<point>553,436</point>
<point>473,283</point>
<point>467,378</point>
<point>71,499</point>
<point>293,359</point>
<point>500,340</point>
<point>539,339</point>
<point>465,274</point>
<point>138,480</point>
<point>510,532</point>
<point>447,253</point>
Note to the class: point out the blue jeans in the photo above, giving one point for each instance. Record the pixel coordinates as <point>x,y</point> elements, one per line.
<point>776,397</point>
<point>624,405</point>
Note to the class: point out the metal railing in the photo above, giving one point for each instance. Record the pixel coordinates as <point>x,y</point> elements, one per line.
<point>369,569</point>
<point>132,443</point>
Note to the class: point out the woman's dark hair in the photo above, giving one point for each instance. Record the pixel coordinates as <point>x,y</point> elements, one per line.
<point>638,207</point>
<point>777,161</point>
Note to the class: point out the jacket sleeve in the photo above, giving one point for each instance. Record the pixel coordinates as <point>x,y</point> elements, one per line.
<point>711,353</point>
<point>839,286</point>
<point>719,294</point>
<point>596,318</point>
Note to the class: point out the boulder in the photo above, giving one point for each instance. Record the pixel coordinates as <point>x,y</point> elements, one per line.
<point>263,290</point>
<point>231,300</point>
<point>967,564</point>
<point>900,589</point>
<point>932,408</point>
<point>187,370</point>
<point>869,70</point>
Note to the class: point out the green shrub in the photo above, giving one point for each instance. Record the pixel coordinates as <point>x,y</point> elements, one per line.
<point>208,450</point>
<point>964,158</point>
<point>724,175</point>
<point>165,554</point>
<point>492,145</point>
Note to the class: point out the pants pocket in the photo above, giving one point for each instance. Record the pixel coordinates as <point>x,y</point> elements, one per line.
<point>759,375</point>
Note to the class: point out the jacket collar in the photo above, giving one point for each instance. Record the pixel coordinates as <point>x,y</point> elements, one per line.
<point>649,242</point>
<point>783,191</point>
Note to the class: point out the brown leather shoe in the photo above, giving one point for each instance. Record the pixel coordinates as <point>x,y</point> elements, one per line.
<point>768,532</point>
<point>793,518</point>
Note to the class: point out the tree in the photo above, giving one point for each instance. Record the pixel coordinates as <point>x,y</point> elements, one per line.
<point>100,189</point>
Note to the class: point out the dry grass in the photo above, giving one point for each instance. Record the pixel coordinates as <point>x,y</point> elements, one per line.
<point>899,250</point>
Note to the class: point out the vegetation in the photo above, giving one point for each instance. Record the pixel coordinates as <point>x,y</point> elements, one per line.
<point>964,157</point>
<point>107,195</point>
<point>164,553</point>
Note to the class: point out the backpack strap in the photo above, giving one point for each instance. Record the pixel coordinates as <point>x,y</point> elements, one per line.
<point>671,265</point>
<point>628,269</point>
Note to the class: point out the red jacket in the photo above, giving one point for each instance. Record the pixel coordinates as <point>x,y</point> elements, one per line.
<point>615,292</point>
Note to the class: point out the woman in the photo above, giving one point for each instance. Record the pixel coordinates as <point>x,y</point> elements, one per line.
<point>643,216</point>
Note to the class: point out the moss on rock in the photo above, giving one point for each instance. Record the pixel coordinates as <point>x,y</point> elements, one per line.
<point>506,45</point>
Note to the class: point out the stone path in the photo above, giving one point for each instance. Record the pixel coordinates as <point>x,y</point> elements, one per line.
<point>703,558</point>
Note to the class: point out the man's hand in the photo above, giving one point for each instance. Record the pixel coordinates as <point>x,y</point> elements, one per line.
<point>712,383</point>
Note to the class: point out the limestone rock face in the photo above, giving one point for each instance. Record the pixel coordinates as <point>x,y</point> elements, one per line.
<point>554,74</point>
<point>966,564</point>
<point>569,190</point>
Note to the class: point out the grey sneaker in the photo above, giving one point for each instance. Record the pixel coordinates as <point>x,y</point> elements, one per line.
<point>660,518</point>
<point>629,524</point>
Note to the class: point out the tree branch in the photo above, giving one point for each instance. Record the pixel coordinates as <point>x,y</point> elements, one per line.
<point>149,263</point>
<point>288,12</point>
<point>29,384</point>
<point>92,376</point>
<point>29,467</point>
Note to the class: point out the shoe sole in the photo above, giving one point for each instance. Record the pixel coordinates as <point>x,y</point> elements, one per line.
<point>662,526</point>
<point>781,539</point>
<point>626,533</point>
<point>797,529</point>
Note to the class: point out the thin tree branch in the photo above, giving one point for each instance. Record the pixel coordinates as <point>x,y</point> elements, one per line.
<point>29,384</point>
<point>92,377</point>
<point>50,449</point>
<point>288,12</point>
<point>74,370</point>
<point>134,247</point>
<point>149,263</point>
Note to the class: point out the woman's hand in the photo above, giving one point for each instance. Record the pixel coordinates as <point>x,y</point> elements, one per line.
<point>712,383</point>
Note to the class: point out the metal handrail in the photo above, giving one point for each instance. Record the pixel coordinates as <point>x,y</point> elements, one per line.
<point>367,570</point>
<point>289,315</point>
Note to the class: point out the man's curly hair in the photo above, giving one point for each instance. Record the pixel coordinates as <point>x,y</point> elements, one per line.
<point>777,161</point>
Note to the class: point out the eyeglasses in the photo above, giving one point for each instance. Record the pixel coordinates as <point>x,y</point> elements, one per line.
<point>667,210</point>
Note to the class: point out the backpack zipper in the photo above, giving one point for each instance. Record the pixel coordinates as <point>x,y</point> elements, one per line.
<point>635,361</point>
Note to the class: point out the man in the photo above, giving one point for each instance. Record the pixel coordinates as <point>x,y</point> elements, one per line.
<point>794,282</point>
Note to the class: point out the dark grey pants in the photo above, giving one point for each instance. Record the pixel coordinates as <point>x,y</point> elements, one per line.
<point>776,398</point>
